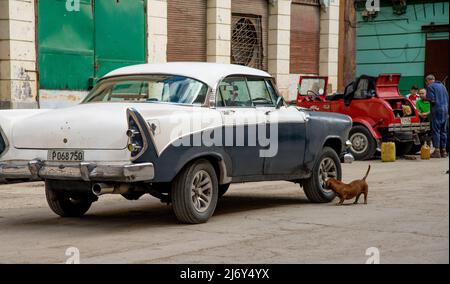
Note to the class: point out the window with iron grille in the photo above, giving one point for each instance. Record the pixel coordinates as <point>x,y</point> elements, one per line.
<point>246,41</point>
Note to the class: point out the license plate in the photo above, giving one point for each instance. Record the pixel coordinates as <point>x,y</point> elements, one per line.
<point>65,155</point>
<point>405,120</point>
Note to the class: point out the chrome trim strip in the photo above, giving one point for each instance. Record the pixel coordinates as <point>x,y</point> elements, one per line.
<point>5,141</point>
<point>152,137</point>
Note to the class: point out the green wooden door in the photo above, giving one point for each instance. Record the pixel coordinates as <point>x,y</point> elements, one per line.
<point>65,45</point>
<point>119,34</point>
<point>75,48</point>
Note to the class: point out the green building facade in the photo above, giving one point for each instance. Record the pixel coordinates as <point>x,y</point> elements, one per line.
<point>410,38</point>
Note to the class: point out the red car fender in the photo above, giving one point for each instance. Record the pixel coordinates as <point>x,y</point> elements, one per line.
<point>369,124</point>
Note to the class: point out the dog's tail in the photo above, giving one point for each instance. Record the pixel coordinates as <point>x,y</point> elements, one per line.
<point>368,170</point>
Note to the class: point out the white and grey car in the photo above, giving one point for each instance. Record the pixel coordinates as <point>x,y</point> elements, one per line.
<point>182,132</point>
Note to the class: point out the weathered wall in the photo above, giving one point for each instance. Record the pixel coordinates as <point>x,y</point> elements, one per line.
<point>329,44</point>
<point>18,87</point>
<point>279,42</point>
<point>157,30</point>
<point>219,31</point>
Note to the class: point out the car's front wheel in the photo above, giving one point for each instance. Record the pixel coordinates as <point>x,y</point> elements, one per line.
<point>65,204</point>
<point>327,166</point>
<point>195,192</point>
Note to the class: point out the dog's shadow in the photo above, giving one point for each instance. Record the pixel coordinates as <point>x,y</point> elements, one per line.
<point>349,204</point>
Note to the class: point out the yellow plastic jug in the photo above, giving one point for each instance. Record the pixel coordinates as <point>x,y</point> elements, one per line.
<point>425,151</point>
<point>388,151</point>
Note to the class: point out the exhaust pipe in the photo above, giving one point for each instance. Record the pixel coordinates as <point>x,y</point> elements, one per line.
<point>102,188</point>
<point>106,188</point>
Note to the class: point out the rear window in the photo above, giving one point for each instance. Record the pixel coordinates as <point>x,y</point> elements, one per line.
<point>155,88</point>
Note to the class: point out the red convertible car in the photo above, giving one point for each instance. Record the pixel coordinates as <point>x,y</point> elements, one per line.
<point>378,111</point>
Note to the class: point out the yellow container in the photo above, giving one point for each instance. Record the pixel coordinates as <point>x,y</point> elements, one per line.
<point>388,152</point>
<point>425,151</point>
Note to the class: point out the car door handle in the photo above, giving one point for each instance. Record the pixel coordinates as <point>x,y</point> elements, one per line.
<point>228,112</point>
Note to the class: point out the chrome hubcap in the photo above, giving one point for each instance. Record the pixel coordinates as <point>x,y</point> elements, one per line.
<point>201,191</point>
<point>327,169</point>
<point>359,143</point>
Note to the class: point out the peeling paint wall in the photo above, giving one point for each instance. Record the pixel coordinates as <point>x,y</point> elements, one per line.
<point>18,80</point>
<point>22,91</point>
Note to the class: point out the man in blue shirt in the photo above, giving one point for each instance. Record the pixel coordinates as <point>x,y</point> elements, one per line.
<point>437,95</point>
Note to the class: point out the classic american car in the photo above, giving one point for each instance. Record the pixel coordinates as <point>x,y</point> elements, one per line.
<point>182,132</point>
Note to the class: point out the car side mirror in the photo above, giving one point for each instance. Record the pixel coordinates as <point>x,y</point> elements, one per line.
<point>279,102</point>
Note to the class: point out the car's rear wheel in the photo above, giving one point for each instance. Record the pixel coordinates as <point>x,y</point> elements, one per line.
<point>194,192</point>
<point>363,145</point>
<point>64,203</point>
<point>327,166</point>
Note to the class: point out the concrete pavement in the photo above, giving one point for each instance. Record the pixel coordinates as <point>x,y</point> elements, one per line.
<point>407,220</point>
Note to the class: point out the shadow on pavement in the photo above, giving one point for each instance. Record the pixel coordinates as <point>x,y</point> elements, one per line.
<point>118,216</point>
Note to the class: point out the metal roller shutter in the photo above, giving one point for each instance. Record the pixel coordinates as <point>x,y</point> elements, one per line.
<point>186,27</point>
<point>305,37</point>
<point>255,10</point>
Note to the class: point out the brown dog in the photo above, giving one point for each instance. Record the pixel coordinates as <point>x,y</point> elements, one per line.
<point>348,191</point>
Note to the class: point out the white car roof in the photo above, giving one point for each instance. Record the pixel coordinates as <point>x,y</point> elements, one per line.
<point>209,73</point>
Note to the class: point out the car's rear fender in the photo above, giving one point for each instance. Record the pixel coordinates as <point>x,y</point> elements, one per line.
<point>174,158</point>
<point>370,125</point>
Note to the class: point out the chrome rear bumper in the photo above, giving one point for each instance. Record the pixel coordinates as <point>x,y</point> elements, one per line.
<point>86,171</point>
<point>416,127</point>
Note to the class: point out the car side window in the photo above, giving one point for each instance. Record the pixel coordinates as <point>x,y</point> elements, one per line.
<point>233,92</point>
<point>259,92</point>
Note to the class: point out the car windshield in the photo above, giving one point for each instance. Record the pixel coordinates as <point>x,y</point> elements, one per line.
<point>154,88</point>
<point>311,86</point>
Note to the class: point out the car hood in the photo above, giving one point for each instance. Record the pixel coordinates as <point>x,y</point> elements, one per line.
<point>85,126</point>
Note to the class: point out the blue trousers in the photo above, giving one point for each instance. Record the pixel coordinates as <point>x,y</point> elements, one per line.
<point>439,127</point>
